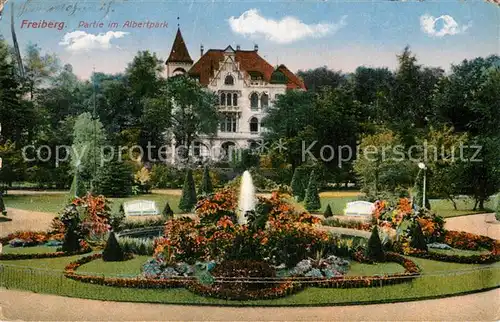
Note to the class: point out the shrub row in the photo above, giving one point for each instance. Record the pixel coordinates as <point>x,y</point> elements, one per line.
<point>12,256</point>
<point>353,224</point>
<point>463,259</point>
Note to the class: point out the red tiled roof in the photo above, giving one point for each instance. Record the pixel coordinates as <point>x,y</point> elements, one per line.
<point>179,52</point>
<point>249,61</point>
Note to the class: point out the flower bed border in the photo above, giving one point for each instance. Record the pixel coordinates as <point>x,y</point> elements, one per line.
<point>14,256</point>
<point>288,285</point>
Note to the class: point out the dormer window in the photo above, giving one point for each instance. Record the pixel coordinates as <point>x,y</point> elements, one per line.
<point>229,80</point>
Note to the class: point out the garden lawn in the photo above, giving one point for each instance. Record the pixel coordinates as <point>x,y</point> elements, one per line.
<point>28,250</point>
<point>54,203</point>
<point>129,268</point>
<point>438,279</point>
<point>445,209</point>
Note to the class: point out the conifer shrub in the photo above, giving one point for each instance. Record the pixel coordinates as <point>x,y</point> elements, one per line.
<point>374,250</point>
<point>206,187</point>
<point>299,183</point>
<point>328,211</point>
<point>113,251</point>
<point>312,200</point>
<point>115,179</point>
<point>3,209</point>
<point>167,212</point>
<point>188,198</point>
<point>417,238</point>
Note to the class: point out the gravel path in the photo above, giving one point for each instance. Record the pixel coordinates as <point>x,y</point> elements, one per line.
<point>20,305</point>
<point>483,224</point>
<point>25,220</point>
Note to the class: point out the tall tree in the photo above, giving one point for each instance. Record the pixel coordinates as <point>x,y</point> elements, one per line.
<point>38,68</point>
<point>88,139</point>
<point>188,108</point>
<point>321,77</point>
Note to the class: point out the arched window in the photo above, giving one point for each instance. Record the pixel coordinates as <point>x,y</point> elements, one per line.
<point>264,100</point>
<point>229,80</point>
<point>228,99</point>
<point>235,99</point>
<point>254,125</point>
<point>229,124</point>
<point>178,71</point>
<point>254,101</point>
<point>223,99</point>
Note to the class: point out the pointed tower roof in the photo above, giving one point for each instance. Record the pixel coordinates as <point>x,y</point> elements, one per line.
<point>179,52</point>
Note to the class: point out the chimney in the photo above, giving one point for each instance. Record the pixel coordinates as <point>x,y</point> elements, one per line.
<point>256,47</point>
<point>238,47</point>
<point>201,50</point>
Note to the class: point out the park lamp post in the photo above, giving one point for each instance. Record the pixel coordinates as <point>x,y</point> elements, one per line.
<point>422,166</point>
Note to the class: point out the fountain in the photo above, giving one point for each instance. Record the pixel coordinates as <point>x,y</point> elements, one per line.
<point>246,201</point>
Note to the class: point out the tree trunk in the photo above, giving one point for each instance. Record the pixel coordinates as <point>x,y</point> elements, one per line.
<point>481,204</point>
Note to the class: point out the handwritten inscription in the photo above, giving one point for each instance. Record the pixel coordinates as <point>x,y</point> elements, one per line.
<point>68,7</point>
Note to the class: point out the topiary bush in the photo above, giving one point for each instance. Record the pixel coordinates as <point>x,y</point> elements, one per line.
<point>167,212</point>
<point>113,251</point>
<point>72,229</point>
<point>188,198</point>
<point>3,210</point>
<point>417,237</point>
<point>328,211</point>
<point>311,200</point>
<point>299,183</point>
<point>374,250</point>
<point>206,187</point>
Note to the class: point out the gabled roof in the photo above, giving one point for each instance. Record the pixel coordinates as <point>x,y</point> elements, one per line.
<point>249,61</point>
<point>179,52</point>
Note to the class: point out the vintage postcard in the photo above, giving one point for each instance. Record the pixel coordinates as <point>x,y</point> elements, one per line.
<point>249,160</point>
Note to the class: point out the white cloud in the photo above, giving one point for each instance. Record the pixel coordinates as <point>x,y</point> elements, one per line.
<point>82,41</point>
<point>289,29</point>
<point>450,26</point>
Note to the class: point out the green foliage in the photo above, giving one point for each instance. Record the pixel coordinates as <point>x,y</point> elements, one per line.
<point>497,213</point>
<point>167,212</point>
<point>328,211</point>
<point>206,183</point>
<point>114,179</point>
<point>374,250</point>
<point>381,167</point>
<point>188,198</point>
<point>117,218</point>
<point>113,251</point>
<point>70,217</point>
<point>417,237</point>
<point>165,176</point>
<point>299,182</point>
<point>3,209</point>
<point>312,200</point>
<point>138,246</point>
<point>77,186</point>
<point>88,138</point>
<point>245,159</point>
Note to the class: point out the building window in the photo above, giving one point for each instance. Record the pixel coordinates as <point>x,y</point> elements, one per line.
<point>229,124</point>
<point>235,99</point>
<point>254,125</point>
<point>223,99</point>
<point>254,101</point>
<point>264,100</point>
<point>229,80</point>
<point>228,99</point>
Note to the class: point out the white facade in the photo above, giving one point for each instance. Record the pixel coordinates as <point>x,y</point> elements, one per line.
<point>242,103</point>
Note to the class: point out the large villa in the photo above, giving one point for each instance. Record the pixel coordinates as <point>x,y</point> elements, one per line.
<point>246,85</point>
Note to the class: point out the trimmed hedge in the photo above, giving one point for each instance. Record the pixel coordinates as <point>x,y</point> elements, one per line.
<point>12,256</point>
<point>286,286</point>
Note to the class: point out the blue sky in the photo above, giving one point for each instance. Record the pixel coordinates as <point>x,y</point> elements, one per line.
<point>339,34</point>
